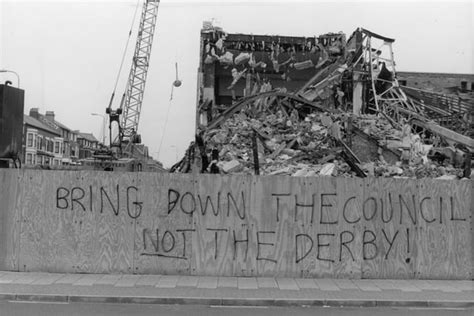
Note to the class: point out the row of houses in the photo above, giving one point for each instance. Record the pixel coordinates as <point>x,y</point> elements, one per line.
<point>47,142</point>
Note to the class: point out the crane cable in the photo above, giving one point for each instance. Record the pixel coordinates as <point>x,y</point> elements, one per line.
<point>176,83</point>
<point>124,52</point>
<point>164,128</point>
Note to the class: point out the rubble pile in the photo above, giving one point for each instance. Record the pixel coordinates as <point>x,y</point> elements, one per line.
<point>300,107</point>
<point>309,146</point>
<point>285,145</point>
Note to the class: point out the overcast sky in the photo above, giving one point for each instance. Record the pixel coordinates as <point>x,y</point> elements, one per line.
<point>67,53</point>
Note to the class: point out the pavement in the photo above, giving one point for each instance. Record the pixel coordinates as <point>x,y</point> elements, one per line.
<point>233,291</point>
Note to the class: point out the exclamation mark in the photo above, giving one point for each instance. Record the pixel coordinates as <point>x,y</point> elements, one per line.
<point>408,240</point>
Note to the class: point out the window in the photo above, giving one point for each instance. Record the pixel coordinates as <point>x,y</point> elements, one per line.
<point>56,147</point>
<point>34,140</point>
<point>29,158</point>
<point>39,142</point>
<point>29,140</point>
<point>49,146</point>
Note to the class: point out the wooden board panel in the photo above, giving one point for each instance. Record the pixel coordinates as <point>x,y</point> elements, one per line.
<point>111,234</point>
<point>306,216</point>
<point>334,244</point>
<point>471,193</point>
<point>444,230</point>
<point>223,225</point>
<point>85,221</point>
<point>162,234</point>
<point>47,235</point>
<point>9,219</point>
<point>273,202</point>
<point>72,222</point>
<point>392,227</point>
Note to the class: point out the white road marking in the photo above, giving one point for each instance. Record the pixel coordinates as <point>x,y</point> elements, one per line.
<point>39,302</point>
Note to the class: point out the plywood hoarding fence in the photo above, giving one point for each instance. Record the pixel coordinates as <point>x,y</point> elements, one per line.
<point>99,222</point>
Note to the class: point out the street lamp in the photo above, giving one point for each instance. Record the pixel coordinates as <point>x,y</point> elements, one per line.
<point>13,72</point>
<point>104,122</point>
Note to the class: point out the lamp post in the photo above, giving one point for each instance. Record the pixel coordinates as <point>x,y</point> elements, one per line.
<point>13,72</point>
<point>104,121</point>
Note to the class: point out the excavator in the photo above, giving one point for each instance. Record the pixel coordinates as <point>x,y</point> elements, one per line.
<point>126,153</point>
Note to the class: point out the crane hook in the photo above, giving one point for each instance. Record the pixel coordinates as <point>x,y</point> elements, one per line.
<point>177,82</point>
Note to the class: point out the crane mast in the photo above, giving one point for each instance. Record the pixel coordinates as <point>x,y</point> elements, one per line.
<point>128,114</point>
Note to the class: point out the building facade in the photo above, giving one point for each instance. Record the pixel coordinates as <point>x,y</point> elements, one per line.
<point>437,82</point>
<point>39,143</point>
<point>88,144</point>
<point>49,143</point>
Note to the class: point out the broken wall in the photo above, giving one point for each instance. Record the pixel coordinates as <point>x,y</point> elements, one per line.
<point>233,66</point>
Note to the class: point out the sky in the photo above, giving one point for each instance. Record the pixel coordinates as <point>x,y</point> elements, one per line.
<point>68,53</point>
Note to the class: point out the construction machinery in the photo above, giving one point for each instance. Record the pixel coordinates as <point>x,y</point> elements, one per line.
<point>125,151</point>
<point>127,116</point>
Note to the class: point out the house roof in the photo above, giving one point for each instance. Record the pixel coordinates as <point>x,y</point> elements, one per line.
<point>88,136</point>
<point>28,120</point>
<point>61,125</point>
<point>54,124</point>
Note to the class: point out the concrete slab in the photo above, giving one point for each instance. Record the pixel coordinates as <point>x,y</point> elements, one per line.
<point>109,279</point>
<point>207,283</point>
<point>287,284</point>
<point>462,285</point>
<point>367,285</point>
<point>245,283</point>
<point>167,281</point>
<point>88,279</point>
<point>127,281</point>
<point>9,277</point>
<point>443,286</point>
<point>384,284</point>
<point>28,278</point>
<point>423,285</point>
<point>140,289</point>
<point>306,284</point>
<point>188,281</point>
<point>148,280</point>
<point>68,278</point>
<point>327,285</point>
<point>48,279</point>
<point>345,284</point>
<point>266,283</point>
<point>406,286</point>
<point>224,282</point>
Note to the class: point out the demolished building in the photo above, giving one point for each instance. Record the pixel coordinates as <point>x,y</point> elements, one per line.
<point>324,105</point>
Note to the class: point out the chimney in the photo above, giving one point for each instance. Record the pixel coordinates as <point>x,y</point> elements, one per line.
<point>34,112</point>
<point>50,115</point>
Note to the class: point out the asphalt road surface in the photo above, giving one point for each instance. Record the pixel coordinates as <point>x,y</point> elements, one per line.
<point>15,308</point>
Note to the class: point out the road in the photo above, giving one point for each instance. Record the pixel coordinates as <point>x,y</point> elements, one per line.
<point>15,308</point>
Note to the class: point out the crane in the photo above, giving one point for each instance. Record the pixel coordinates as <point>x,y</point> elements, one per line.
<point>127,116</point>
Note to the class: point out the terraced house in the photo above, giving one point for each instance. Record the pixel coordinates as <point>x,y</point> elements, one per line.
<point>48,142</point>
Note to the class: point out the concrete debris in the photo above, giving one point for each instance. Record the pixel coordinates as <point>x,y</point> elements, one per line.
<point>349,119</point>
<point>309,146</point>
<point>231,166</point>
<point>327,169</point>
